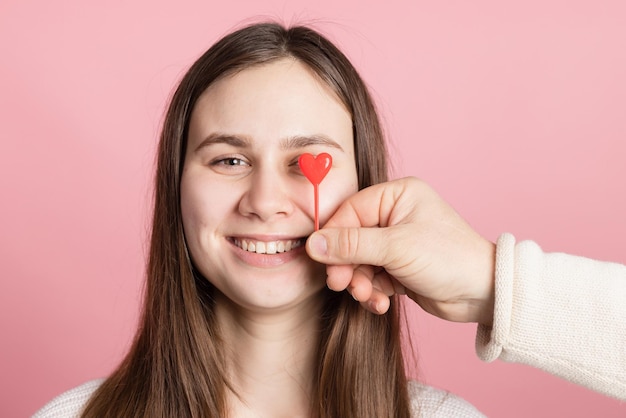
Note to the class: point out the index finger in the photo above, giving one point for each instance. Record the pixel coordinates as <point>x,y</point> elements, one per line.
<point>369,207</point>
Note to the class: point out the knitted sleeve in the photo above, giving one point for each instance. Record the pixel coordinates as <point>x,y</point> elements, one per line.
<point>561,313</point>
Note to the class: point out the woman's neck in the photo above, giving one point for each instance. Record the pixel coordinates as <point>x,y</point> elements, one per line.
<point>271,356</point>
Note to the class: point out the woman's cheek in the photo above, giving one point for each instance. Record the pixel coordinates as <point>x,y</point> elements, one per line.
<point>205,204</point>
<point>334,193</point>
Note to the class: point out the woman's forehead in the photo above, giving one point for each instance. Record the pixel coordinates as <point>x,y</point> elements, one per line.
<point>282,99</point>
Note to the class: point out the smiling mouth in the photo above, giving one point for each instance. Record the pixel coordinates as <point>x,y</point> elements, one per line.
<point>268,247</point>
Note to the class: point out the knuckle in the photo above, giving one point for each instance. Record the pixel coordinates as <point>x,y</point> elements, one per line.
<point>342,244</point>
<point>353,242</point>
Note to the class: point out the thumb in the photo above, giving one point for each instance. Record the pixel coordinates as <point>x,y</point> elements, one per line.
<point>348,246</point>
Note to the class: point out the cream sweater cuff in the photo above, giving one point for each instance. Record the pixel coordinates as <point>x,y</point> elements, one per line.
<point>490,340</point>
<point>560,313</point>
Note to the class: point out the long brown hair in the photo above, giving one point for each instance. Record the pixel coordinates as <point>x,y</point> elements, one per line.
<point>175,365</point>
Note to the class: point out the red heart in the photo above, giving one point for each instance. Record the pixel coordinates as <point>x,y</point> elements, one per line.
<point>315,168</point>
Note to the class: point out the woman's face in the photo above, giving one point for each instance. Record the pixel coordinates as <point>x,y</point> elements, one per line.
<point>247,209</point>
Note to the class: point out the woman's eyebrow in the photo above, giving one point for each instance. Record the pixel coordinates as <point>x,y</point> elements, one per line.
<point>302,141</point>
<point>220,138</point>
<point>292,142</point>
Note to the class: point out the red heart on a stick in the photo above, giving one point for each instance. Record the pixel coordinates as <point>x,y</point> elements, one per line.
<point>315,168</point>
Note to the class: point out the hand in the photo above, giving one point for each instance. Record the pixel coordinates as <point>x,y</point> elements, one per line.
<point>401,237</point>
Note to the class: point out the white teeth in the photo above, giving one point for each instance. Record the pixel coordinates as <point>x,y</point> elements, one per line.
<point>271,247</point>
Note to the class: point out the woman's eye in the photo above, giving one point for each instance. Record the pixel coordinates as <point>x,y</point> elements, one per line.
<point>232,161</point>
<point>295,164</point>
<point>230,165</point>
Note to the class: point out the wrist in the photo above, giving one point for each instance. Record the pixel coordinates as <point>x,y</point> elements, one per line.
<point>485,304</point>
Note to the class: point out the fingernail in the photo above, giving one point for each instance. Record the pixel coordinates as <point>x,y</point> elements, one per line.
<point>317,243</point>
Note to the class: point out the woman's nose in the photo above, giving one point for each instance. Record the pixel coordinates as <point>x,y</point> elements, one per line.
<point>268,196</point>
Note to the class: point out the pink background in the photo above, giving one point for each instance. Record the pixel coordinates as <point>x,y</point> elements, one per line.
<point>514,111</point>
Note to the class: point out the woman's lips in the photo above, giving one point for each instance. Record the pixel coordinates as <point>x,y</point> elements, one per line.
<point>267,247</point>
<point>267,252</point>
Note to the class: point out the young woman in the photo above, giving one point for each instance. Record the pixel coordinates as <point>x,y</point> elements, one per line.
<point>237,319</point>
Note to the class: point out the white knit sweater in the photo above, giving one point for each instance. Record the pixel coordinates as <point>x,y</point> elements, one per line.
<point>426,402</point>
<point>561,313</point>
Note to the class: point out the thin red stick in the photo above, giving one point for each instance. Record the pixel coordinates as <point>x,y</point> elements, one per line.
<point>317,206</point>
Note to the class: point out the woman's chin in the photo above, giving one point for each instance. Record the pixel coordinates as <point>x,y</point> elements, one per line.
<point>272,296</point>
